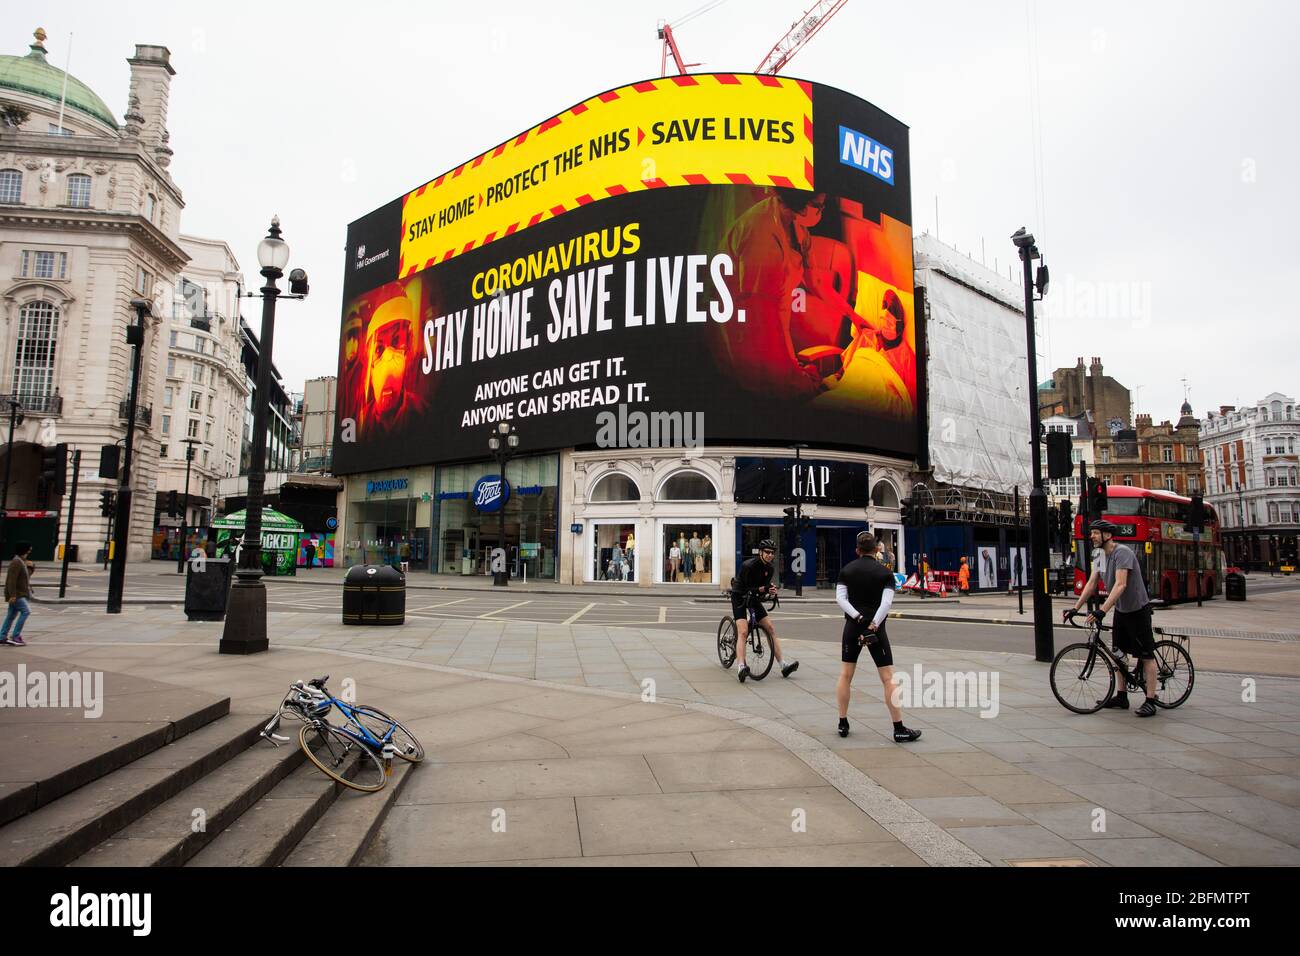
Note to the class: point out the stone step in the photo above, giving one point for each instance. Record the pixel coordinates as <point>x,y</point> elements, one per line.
<point>272,827</point>
<point>345,830</point>
<point>47,753</point>
<point>173,832</point>
<point>63,830</point>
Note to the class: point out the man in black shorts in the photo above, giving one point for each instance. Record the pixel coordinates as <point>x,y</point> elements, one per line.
<point>1126,592</point>
<point>865,592</point>
<point>756,575</point>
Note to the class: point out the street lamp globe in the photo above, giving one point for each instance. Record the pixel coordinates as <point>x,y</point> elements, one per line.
<point>504,428</point>
<point>273,252</point>
<point>513,440</point>
<point>494,443</point>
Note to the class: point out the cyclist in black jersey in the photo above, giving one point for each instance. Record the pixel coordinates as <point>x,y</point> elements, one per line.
<point>756,576</point>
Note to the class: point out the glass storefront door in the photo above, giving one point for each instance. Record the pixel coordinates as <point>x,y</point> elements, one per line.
<point>392,526</point>
<point>614,552</point>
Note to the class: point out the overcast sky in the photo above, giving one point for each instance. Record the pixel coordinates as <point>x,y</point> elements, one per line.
<point>1169,142</point>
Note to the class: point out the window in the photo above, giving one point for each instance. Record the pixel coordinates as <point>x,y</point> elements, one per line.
<point>167,398</point>
<point>1128,480</point>
<point>614,551</point>
<point>207,432</point>
<point>1105,456</point>
<point>688,551</point>
<point>616,487</point>
<point>1168,453</point>
<point>196,399</point>
<point>162,452</point>
<point>193,430</point>
<point>198,373</point>
<point>57,130</point>
<point>173,338</point>
<point>38,332</point>
<point>1193,483</point>
<point>171,365</point>
<point>1169,483</point>
<point>79,191</point>
<point>688,486</point>
<point>210,401</point>
<point>11,186</point>
<point>150,206</point>
<point>143,280</point>
<point>166,425</point>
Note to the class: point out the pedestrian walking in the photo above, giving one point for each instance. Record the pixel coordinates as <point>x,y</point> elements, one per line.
<point>18,592</point>
<point>963,576</point>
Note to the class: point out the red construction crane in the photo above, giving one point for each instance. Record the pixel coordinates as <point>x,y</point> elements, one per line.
<point>800,32</point>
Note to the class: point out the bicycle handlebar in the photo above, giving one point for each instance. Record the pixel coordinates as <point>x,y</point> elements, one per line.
<point>1071,619</point>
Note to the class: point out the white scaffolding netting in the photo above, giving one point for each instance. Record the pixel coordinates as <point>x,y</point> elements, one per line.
<point>978,373</point>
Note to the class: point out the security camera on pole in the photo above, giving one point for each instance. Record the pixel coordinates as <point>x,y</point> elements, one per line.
<point>1038,547</point>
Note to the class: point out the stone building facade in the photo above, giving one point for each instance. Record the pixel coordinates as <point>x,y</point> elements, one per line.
<point>1164,456</point>
<point>1079,391</point>
<point>89,221</point>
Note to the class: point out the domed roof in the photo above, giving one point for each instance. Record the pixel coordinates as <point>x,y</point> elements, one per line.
<point>1186,410</point>
<point>33,75</point>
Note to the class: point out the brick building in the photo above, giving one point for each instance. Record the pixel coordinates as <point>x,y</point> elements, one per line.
<point>1165,456</point>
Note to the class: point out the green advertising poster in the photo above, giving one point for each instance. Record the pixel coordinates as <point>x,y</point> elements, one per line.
<point>279,539</point>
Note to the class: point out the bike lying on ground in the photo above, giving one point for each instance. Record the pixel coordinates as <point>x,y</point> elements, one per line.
<point>1084,675</point>
<point>358,754</point>
<point>759,656</point>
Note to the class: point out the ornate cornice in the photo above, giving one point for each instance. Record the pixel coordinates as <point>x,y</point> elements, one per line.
<point>90,220</point>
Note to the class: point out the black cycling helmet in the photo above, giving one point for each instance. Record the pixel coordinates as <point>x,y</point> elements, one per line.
<point>767,544</point>
<point>1101,524</point>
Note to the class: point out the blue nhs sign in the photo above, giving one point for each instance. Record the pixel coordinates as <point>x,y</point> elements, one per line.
<point>863,152</point>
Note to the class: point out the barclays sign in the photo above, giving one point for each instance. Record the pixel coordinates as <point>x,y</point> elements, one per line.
<point>387,485</point>
<point>490,494</point>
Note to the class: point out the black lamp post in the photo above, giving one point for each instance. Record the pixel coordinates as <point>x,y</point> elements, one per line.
<point>245,627</point>
<point>1044,649</point>
<point>122,520</point>
<point>181,557</point>
<point>502,443</point>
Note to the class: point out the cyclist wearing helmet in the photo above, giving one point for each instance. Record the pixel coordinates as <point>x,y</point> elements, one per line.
<point>756,575</point>
<point>1126,593</point>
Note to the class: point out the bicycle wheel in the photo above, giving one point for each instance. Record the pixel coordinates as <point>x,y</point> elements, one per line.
<point>339,756</point>
<point>1083,680</point>
<point>726,642</point>
<point>758,655</point>
<point>1174,673</point>
<point>378,722</point>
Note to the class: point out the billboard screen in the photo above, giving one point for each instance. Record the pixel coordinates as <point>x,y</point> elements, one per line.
<point>734,250</point>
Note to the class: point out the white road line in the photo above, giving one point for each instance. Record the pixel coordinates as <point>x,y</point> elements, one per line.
<point>443,604</point>
<point>506,608</point>
<point>573,617</point>
<point>663,615</point>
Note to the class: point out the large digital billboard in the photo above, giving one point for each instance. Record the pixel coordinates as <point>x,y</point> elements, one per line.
<point>733,248</point>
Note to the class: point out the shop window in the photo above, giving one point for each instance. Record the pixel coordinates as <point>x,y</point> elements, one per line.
<point>614,552</point>
<point>616,487</point>
<point>688,486</point>
<point>687,553</point>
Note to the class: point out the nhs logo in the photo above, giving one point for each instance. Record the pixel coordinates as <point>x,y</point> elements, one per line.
<point>860,150</point>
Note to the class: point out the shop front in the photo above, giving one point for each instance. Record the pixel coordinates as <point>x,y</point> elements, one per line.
<point>477,510</point>
<point>388,519</point>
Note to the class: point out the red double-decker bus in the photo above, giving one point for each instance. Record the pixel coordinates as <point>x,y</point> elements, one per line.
<point>1151,523</point>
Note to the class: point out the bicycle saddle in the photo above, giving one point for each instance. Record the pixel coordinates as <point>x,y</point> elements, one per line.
<point>318,682</point>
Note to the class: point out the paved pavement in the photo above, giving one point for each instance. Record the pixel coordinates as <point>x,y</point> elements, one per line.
<point>603,743</point>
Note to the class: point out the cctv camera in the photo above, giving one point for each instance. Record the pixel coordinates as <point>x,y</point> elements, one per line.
<point>298,282</point>
<point>1023,238</point>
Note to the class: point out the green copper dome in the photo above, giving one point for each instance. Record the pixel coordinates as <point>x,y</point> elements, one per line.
<point>33,75</point>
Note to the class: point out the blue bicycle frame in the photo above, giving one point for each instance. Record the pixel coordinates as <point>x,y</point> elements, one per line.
<point>366,738</point>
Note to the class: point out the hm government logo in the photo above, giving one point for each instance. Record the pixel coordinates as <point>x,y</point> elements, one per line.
<point>363,260</point>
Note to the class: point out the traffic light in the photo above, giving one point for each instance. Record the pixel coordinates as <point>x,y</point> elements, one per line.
<point>1053,522</point>
<point>788,529</point>
<point>109,456</point>
<point>173,505</point>
<point>906,512</point>
<point>54,467</point>
<point>1195,515</point>
<point>1059,448</point>
<point>1065,526</point>
<point>1096,497</point>
<point>106,503</point>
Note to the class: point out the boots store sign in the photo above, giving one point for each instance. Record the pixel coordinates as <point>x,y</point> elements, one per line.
<point>787,480</point>
<point>490,494</point>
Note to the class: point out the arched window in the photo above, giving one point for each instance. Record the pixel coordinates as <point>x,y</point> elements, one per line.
<point>688,486</point>
<point>79,190</point>
<point>884,495</point>
<point>11,185</point>
<point>38,332</point>
<point>616,487</point>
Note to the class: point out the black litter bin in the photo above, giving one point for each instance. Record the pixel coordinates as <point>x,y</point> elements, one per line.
<point>207,587</point>
<point>1234,587</point>
<point>374,594</point>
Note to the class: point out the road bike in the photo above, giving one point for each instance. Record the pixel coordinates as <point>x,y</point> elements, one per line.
<point>358,754</point>
<point>759,654</point>
<point>1083,675</point>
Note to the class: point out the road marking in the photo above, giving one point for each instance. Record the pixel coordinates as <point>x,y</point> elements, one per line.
<point>506,608</point>
<point>663,615</point>
<point>443,604</point>
<point>573,617</point>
